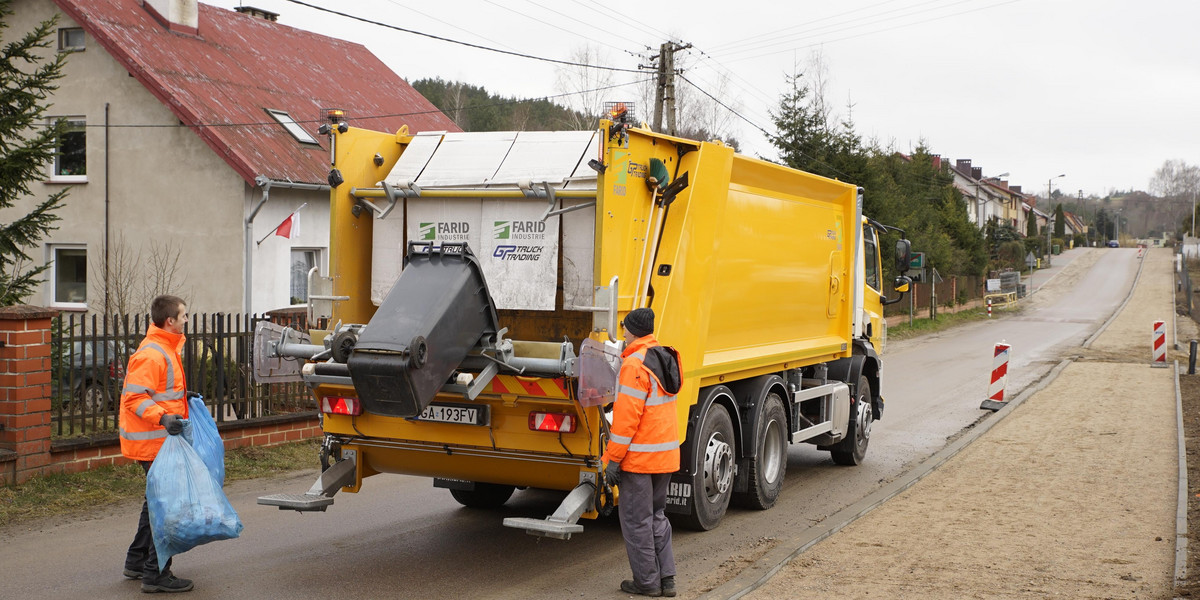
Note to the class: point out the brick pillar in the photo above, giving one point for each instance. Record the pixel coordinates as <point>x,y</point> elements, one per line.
<point>24,391</point>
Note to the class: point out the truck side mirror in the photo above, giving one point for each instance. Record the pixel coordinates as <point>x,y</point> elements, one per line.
<point>900,284</point>
<point>903,254</point>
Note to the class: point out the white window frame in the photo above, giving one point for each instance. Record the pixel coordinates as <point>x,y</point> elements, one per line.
<point>52,278</point>
<point>318,262</point>
<point>63,46</point>
<point>300,133</point>
<point>53,168</point>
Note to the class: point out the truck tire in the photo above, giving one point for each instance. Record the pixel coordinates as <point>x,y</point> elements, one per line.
<point>485,495</point>
<point>852,450</point>
<point>768,466</point>
<point>712,479</point>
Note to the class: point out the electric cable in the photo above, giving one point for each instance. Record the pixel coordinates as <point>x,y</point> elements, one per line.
<point>460,42</point>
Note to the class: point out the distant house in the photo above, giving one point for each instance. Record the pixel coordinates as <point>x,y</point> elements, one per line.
<point>193,134</point>
<point>986,196</point>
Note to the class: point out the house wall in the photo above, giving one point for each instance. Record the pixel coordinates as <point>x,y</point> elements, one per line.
<point>272,259</point>
<point>165,189</point>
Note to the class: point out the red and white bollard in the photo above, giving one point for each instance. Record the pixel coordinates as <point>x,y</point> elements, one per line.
<point>989,302</point>
<point>996,399</point>
<point>1159,345</point>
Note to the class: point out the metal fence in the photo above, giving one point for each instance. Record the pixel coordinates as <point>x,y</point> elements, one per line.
<point>89,353</point>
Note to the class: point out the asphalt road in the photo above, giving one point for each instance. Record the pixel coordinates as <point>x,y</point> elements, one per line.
<point>400,537</point>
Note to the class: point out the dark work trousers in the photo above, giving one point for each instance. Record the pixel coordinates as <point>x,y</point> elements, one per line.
<point>647,531</point>
<point>141,555</point>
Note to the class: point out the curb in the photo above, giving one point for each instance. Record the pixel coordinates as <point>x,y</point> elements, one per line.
<point>763,569</point>
<point>1181,516</point>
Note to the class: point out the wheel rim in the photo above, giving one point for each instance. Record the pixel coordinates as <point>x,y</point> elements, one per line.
<point>718,467</point>
<point>93,398</point>
<point>772,452</point>
<point>864,418</point>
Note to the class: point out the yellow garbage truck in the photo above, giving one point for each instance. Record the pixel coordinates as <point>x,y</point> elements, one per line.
<point>477,282</point>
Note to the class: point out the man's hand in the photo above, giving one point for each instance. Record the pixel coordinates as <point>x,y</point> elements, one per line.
<point>172,422</point>
<point>612,474</point>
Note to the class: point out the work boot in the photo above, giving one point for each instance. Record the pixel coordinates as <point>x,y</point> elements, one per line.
<point>668,586</point>
<point>629,587</point>
<point>132,574</point>
<point>167,583</point>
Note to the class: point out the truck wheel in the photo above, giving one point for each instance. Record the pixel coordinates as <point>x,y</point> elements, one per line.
<point>712,481</point>
<point>770,464</point>
<point>853,449</point>
<point>93,398</point>
<point>485,495</point>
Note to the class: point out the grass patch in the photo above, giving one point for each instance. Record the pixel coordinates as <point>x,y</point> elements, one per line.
<point>56,495</point>
<point>924,325</point>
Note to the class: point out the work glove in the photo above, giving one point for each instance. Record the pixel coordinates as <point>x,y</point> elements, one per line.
<point>612,474</point>
<point>172,422</point>
<point>191,394</point>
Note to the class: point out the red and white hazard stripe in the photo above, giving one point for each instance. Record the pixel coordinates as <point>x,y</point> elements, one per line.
<point>999,372</point>
<point>1160,344</point>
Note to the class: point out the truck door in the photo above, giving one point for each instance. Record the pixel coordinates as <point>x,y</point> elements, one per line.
<point>872,288</point>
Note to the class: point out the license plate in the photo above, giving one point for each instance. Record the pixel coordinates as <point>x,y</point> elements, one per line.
<point>454,413</point>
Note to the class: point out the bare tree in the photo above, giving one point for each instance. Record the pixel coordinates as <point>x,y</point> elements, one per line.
<point>136,275</point>
<point>1175,179</point>
<point>585,84</point>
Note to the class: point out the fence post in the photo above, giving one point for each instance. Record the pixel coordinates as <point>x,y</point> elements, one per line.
<point>24,391</point>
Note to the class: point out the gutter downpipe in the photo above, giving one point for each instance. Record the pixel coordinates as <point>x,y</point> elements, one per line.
<point>266,183</point>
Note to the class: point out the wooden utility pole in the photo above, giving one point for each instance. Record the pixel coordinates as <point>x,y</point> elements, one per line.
<point>664,91</point>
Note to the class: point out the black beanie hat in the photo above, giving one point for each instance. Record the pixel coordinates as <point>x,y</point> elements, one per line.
<point>640,322</point>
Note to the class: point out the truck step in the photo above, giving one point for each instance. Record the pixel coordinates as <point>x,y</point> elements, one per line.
<point>300,502</point>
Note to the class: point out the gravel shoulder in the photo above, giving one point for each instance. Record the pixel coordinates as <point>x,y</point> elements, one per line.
<point>1073,494</point>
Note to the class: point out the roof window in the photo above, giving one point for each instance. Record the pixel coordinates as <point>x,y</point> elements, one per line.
<point>292,127</point>
<point>70,39</point>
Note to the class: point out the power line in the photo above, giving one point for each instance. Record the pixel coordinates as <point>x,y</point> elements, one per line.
<point>551,25</point>
<point>811,26</point>
<point>866,33</point>
<point>459,42</point>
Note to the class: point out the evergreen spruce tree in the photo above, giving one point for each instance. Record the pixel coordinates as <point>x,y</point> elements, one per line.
<point>27,79</point>
<point>1060,222</point>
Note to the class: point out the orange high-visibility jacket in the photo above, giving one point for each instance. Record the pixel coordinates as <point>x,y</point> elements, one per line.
<point>154,386</point>
<point>645,430</point>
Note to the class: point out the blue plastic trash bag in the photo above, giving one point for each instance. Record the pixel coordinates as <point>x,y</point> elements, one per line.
<point>205,438</point>
<point>187,507</point>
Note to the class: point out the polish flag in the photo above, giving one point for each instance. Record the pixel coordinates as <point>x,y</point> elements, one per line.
<point>290,227</point>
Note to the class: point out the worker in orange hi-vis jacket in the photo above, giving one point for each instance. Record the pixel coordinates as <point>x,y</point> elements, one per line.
<point>153,404</point>
<point>643,452</point>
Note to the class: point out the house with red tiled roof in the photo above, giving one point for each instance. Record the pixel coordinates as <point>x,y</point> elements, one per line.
<point>193,133</point>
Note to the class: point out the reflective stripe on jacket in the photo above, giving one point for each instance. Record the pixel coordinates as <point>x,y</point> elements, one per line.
<point>154,386</point>
<point>645,429</point>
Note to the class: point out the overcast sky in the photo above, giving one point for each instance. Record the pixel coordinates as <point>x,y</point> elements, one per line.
<point>1102,91</point>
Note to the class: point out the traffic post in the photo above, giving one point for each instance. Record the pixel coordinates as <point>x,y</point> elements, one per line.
<point>989,303</point>
<point>995,400</point>
<point>1159,345</point>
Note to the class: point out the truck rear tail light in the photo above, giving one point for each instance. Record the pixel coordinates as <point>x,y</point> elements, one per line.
<point>341,406</point>
<point>545,421</point>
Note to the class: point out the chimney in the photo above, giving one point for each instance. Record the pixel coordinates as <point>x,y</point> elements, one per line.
<point>937,162</point>
<point>266,15</point>
<point>177,15</point>
<point>976,173</point>
<point>963,165</point>
<point>1016,188</point>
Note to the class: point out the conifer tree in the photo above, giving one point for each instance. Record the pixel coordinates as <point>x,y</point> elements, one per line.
<point>27,145</point>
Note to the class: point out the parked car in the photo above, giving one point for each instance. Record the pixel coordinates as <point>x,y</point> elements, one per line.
<point>1114,244</point>
<point>91,377</point>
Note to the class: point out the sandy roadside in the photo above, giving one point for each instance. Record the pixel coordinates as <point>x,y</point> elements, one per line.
<point>1072,495</point>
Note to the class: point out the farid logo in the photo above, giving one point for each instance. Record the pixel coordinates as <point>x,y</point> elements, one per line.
<point>519,230</point>
<point>446,231</point>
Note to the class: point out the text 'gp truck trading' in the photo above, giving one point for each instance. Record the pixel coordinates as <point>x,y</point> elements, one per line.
<point>476,285</point>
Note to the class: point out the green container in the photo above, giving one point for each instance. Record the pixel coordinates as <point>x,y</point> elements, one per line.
<point>1056,249</point>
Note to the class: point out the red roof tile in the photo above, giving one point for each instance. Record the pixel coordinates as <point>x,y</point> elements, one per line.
<point>238,65</point>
